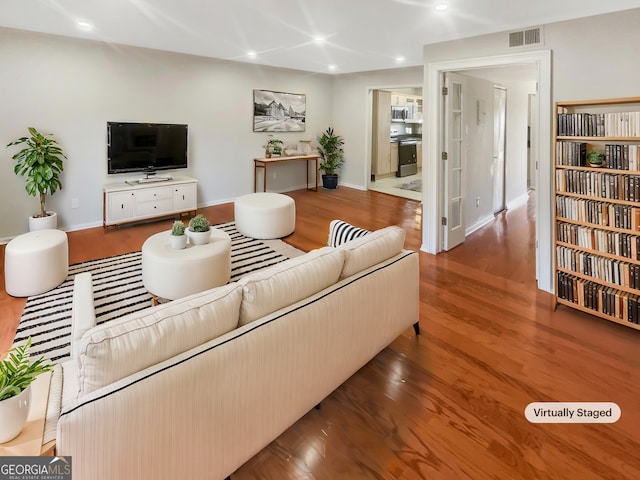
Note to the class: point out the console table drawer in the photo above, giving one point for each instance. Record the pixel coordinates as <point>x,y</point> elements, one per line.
<point>152,194</point>
<point>154,207</point>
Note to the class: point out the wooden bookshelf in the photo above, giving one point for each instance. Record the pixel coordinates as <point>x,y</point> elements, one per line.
<point>597,210</point>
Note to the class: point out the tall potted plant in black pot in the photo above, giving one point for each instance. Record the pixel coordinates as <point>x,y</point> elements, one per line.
<point>331,157</point>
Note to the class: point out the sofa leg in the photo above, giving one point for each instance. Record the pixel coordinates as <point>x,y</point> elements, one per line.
<point>416,328</point>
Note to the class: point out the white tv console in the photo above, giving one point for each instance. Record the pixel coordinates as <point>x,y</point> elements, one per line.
<point>128,201</point>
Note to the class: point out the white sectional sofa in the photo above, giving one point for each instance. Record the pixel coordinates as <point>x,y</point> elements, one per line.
<point>195,387</point>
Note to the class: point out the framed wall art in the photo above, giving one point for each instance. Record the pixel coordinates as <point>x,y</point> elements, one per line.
<point>278,111</point>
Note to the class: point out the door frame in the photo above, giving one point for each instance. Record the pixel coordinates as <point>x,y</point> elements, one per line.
<point>433,168</point>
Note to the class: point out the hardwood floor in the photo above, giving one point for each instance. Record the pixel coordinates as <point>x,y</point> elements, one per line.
<point>448,404</point>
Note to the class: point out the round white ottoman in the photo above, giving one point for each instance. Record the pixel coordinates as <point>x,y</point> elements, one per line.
<point>36,262</point>
<point>265,215</point>
<point>169,273</point>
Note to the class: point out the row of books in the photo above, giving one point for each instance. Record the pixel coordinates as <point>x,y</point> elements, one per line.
<point>598,213</point>
<point>571,153</point>
<point>599,184</point>
<point>608,300</point>
<point>601,268</point>
<point>614,243</point>
<point>615,124</point>
<point>621,157</point>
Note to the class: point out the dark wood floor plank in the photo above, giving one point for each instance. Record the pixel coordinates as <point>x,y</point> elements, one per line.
<point>448,404</point>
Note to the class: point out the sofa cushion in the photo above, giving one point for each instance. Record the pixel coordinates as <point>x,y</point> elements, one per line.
<point>341,232</point>
<point>371,249</point>
<point>119,348</point>
<point>285,283</point>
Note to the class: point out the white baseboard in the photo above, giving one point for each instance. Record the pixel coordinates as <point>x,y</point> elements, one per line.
<point>478,225</point>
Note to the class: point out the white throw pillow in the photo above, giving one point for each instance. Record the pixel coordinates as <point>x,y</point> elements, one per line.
<point>371,249</point>
<point>285,283</point>
<point>342,232</point>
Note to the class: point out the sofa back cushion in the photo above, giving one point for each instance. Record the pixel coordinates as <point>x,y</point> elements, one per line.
<point>119,348</point>
<point>371,249</point>
<point>285,283</point>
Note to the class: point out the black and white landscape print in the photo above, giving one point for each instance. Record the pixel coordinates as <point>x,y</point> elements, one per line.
<point>278,111</point>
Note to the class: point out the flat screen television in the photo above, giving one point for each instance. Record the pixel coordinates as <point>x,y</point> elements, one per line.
<point>145,147</point>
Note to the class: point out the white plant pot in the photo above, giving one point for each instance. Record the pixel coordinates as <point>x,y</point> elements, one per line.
<point>198,238</point>
<point>13,414</point>
<point>178,241</point>
<point>43,223</point>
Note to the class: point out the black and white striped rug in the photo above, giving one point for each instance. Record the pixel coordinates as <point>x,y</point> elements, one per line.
<point>118,290</point>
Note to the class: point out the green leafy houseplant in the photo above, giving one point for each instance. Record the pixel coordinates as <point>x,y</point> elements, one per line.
<point>273,147</point>
<point>17,372</point>
<point>178,228</point>
<point>41,162</point>
<point>330,151</point>
<point>199,223</point>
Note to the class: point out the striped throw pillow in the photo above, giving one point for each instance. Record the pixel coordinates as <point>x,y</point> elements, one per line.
<point>341,232</point>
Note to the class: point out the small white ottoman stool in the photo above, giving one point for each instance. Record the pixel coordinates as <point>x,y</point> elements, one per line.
<point>36,262</point>
<point>265,215</point>
<point>172,274</point>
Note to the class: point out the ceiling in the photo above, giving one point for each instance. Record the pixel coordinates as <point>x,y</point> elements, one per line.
<point>324,36</point>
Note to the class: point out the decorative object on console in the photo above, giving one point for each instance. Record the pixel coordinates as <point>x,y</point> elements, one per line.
<point>199,231</point>
<point>278,111</point>
<point>273,147</point>
<point>41,162</point>
<point>341,232</point>
<point>331,157</point>
<point>16,375</point>
<point>178,239</point>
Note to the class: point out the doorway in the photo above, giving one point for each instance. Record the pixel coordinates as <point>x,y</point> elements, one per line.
<point>433,195</point>
<point>499,143</point>
<point>396,141</point>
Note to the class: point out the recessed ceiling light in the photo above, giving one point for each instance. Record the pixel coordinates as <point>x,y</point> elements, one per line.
<point>319,40</point>
<point>441,7</point>
<point>251,54</point>
<point>84,26</point>
<point>400,59</point>
<point>332,67</point>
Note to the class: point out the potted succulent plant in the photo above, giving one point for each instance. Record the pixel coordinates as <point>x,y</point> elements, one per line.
<point>41,162</point>
<point>199,231</point>
<point>178,239</point>
<point>16,375</point>
<point>273,147</point>
<point>331,157</point>
<point>595,159</point>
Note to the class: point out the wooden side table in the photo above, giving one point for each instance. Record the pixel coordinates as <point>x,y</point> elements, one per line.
<point>264,162</point>
<point>29,441</point>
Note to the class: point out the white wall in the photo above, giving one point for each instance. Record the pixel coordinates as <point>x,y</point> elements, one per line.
<point>72,87</point>
<point>592,57</point>
<point>478,174</point>
<point>516,141</point>
<point>352,116</point>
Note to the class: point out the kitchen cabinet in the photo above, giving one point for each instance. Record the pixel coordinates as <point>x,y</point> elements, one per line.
<point>419,154</point>
<point>381,148</point>
<point>393,160</point>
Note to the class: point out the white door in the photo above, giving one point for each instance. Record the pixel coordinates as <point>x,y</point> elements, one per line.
<point>453,156</point>
<point>499,136</point>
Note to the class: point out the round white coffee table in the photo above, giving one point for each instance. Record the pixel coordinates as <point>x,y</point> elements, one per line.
<point>169,273</point>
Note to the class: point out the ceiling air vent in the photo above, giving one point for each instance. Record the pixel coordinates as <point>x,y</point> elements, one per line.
<point>523,38</point>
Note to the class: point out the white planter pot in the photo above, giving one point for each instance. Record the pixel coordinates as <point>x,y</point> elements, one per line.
<point>178,241</point>
<point>43,223</point>
<point>13,414</point>
<point>198,238</point>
